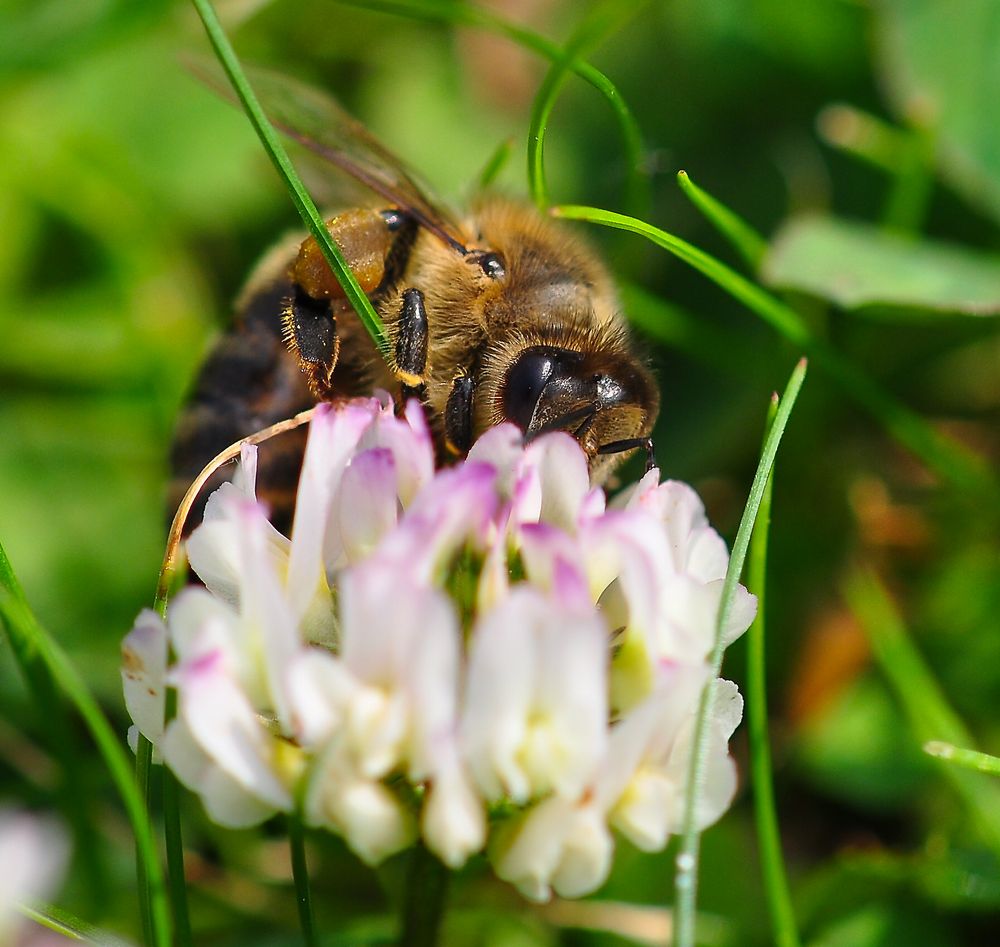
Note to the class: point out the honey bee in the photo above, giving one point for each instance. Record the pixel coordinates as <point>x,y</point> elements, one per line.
<point>498,315</point>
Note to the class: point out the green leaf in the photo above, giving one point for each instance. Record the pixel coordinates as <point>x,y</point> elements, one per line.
<point>856,265</point>
<point>942,72</point>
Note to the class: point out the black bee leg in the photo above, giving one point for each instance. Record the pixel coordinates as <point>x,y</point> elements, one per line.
<point>619,447</point>
<point>310,329</point>
<point>411,344</point>
<point>458,416</point>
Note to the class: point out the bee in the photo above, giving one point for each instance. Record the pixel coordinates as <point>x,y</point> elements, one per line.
<point>500,314</point>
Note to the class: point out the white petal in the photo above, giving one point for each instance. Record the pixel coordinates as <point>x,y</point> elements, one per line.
<point>409,439</point>
<point>454,819</point>
<point>727,707</point>
<point>527,851</point>
<point>646,813</point>
<point>454,509</point>
<point>333,435</point>
<point>144,668</point>
<point>572,693</point>
<point>535,710</point>
<point>226,802</point>
<point>501,446</point>
<point>372,820</point>
<point>320,689</point>
<point>741,615</point>
<point>564,478</point>
<point>500,684</point>
<point>228,730</point>
<point>200,623</point>
<point>559,844</point>
<point>367,502</point>
<point>268,631</point>
<point>214,548</point>
<point>586,857</point>
<point>430,677</point>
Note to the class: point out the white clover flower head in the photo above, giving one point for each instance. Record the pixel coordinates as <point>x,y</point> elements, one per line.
<point>429,648</point>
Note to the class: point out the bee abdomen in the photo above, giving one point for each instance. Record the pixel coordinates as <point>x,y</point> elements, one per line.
<point>249,381</point>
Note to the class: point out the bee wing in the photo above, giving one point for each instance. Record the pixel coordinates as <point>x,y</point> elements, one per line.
<point>320,124</point>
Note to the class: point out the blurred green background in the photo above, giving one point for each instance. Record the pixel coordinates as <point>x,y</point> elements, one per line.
<point>134,202</point>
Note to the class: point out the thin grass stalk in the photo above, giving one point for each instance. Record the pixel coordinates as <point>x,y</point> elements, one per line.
<point>495,164</point>
<point>55,724</point>
<point>920,695</point>
<point>460,14</point>
<point>772,862</point>
<point>686,881</point>
<point>174,842</point>
<point>749,244</point>
<point>960,756</point>
<point>66,925</point>
<point>28,636</point>
<point>951,461</point>
<point>424,899</point>
<point>283,165</point>
<point>912,185</point>
<point>144,780</point>
<point>601,22</point>
<point>300,878</point>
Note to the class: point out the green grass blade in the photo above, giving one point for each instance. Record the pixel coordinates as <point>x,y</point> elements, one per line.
<point>54,723</point>
<point>66,925</point>
<point>686,882</point>
<point>174,843</point>
<point>28,637</point>
<point>749,244</point>
<point>601,22</point>
<point>461,14</point>
<point>924,703</point>
<point>144,779</point>
<point>172,577</point>
<point>949,459</point>
<point>970,759</point>
<point>300,876</point>
<point>779,899</point>
<point>283,165</point>
<point>496,163</point>
<point>907,156</point>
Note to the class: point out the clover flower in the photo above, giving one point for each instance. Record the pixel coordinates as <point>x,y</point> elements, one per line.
<point>486,656</point>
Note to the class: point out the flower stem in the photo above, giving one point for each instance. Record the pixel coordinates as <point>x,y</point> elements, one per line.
<point>300,875</point>
<point>768,838</point>
<point>176,878</point>
<point>423,903</point>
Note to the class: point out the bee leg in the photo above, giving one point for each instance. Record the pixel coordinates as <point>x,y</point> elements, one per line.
<point>411,344</point>
<point>458,416</point>
<point>310,330</point>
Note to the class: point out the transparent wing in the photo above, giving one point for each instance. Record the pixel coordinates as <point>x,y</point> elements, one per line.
<point>318,123</point>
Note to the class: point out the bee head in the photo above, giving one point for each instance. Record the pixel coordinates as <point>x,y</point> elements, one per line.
<point>599,397</point>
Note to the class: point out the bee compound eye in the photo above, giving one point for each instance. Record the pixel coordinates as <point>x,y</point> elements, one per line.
<point>525,381</point>
<point>492,265</point>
